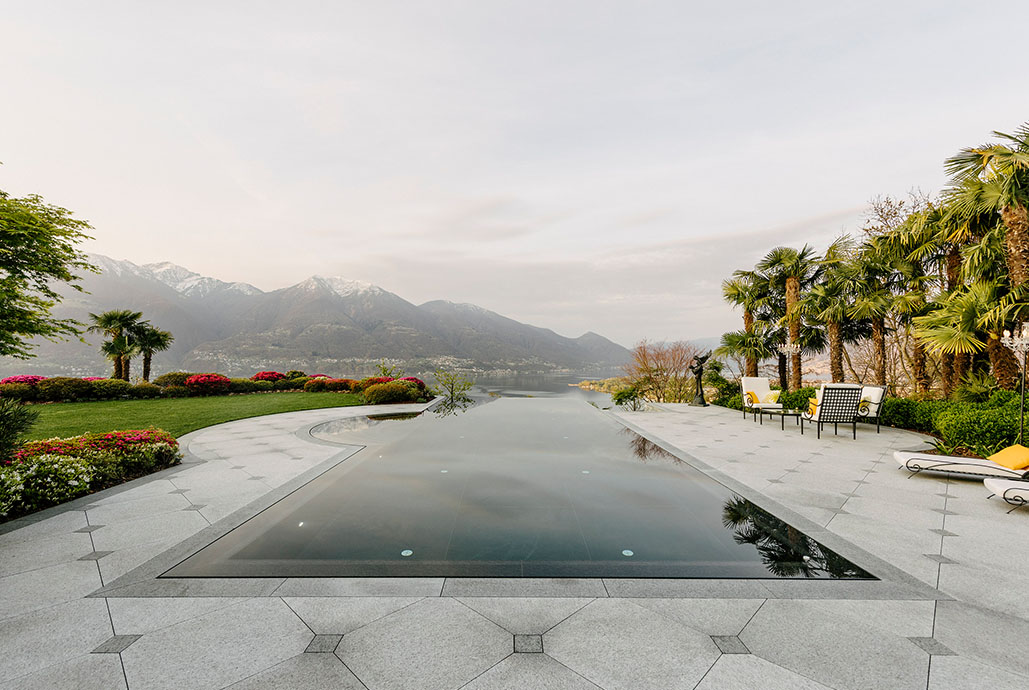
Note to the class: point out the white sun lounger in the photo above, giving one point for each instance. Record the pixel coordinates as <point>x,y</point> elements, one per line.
<point>953,464</point>
<point>1013,492</point>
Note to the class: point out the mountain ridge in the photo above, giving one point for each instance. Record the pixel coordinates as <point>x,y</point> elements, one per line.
<point>321,323</point>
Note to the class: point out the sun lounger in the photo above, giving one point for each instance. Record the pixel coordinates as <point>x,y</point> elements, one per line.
<point>758,395</point>
<point>953,464</point>
<point>1013,492</point>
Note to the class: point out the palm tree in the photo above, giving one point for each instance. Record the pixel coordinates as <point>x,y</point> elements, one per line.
<point>995,178</point>
<point>119,350</point>
<point>793,270</point>
<point>150,340</point>
<point>117,323</point>
<point>744,289</point>
<point>828,301</point>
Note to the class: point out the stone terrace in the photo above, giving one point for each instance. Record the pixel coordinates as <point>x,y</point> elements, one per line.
<point>79,607</point>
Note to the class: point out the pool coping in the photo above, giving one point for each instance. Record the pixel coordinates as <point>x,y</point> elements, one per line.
<point>144,580</point>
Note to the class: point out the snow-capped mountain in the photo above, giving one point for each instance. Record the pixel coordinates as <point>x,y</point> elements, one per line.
<point>328,324</point>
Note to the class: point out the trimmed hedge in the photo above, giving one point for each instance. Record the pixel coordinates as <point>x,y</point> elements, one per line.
<point>390,392</point>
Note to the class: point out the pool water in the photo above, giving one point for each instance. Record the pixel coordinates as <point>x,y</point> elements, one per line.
<point>513,488</point>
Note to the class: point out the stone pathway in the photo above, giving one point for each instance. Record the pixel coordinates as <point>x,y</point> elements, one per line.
<point>453,633</point>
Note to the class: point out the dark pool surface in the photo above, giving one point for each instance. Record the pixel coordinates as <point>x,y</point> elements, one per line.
<point>514,488</point>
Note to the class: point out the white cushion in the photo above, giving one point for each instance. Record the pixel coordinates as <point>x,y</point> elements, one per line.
<point>1012,491</point>
<point>953,464</point>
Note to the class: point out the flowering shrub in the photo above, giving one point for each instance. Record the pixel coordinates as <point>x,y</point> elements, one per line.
<point>318,376</point>
<point>390,392</point>
<point>208,384</point>
<point>316,385</point>
<point>340,385</point>
<point>94,378</point>
<point>267,376</point>
<point>371,381</point>
<point>51,479</point>
<point>44,473</point>
<point>416,381</point>
<point>24,378</point>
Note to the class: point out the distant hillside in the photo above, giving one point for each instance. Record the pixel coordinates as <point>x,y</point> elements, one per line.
<point>331,325</point>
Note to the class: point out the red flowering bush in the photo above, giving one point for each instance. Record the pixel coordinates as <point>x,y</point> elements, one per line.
<point>371,381</point>
<point>267,376</point>
<point>416,381</point>
<point>340,385</point>
<point>30,379</point>
<point>208,384</point>
<point>112,442</point>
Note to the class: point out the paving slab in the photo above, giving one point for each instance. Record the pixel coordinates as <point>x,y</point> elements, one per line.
<point>138,616</point>
<point>618,645</point>
<point>303,671</point>
<point>709,616</point>
<point>342,615</point>
<point>525,616</point>
<point>37,589</point>
<point>209,652</point>
<point>963,673</point>
<point>51,636</point>
<point>982,634</point>
<point>525,671</point>
<point>27,555</point>
<point>523,587</point>
<point>739,671</point>
<point>360,587</point>
<point>86,672</point>
<point>435,644</point>
<point>799,636</point>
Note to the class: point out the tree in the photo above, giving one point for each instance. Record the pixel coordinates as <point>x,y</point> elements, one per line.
<point>794,270</point>
<point>744,289</point>
<point>995,178</point>
<point>37,249</point>
<point>828,301</point>
<point>118,324</point>
<point>150,340</point>
<point>661,371</point>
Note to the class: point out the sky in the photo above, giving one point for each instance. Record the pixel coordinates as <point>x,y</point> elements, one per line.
<point>583,166</point>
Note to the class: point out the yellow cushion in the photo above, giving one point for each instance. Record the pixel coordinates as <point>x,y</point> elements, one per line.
<point>1014,457</point>
<point>812,406</point>
<point>752,398</point>
<point>772,397</point>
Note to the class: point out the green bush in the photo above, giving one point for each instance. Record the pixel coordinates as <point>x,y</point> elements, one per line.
<point>63,388</point>
<point>630,398</point>
<point>1002,397</point>
<point>315,385</point>
<point>145,390</point>
<point>290,384</point>
<point>242,386</point>
<point>51,479</point>
<point>260,386</point>
<point>295,374</point>
<point>10,489</point>
<point>18,391</point>
<point>110,389</point>
<point>341,385</point>
<point>392,392</point>
<point>173,378</point>
<point>15,419</point>
<point>979,428</point>
<point>898,412</point>
<point>797,400</point>
<point>733,402</point>
<point>176,392</point>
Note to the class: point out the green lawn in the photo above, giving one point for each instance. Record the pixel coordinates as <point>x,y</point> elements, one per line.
<point>175,415</point>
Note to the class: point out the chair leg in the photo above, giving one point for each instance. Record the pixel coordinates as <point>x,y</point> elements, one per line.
<point>877,424</point>
<point>835,429</point>
<point>854,424</point>
<point>819,434</point>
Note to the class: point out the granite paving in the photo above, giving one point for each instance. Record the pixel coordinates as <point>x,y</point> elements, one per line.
<point>80,606</point>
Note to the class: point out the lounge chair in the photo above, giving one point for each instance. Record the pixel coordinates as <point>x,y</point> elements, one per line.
<point>871,403</point>
<point>758,395</point>
<point>1015,493</point>
<point>954,464</point>
<point>835,403</point>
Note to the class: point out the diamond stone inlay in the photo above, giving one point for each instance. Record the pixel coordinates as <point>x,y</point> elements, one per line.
<point>730,644</point>
<point>116,645</point>
<point>528,644</point>
<point>90,528</point>
<point>323,644</point>
<point>96,555</point>
<point>931,645</point>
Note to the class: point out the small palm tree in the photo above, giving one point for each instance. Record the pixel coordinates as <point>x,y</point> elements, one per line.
<point>117,323</point>
<point>747,289</point>
<point>150,340</point>
<point>119,350</point>
<point>793,270</point>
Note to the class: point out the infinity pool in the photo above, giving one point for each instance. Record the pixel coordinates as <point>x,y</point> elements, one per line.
<point>513,488</point>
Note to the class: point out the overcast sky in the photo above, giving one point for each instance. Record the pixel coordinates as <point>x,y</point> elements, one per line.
<point>576,165</point>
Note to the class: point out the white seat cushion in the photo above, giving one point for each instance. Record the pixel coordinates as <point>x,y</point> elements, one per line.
<point>953,464</point>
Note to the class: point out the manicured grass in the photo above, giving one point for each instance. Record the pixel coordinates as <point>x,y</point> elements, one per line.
<point>175,415</point>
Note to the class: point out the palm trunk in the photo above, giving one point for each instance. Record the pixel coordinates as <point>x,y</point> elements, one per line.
<point>783,383</point>
<point>962,362</point>
<point>748,327</point>
<point>947,373</point>
<point>125,367</point>
<point>792,297</point>
<point>835,351</point>
<point>879,345</point>
<point>918,370</point>
<point>116,369</point>
<point>147,356</point>
<point>1003,362</point>
<point>1016,240</point>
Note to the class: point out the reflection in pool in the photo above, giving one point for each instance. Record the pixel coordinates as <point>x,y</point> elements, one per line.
<point>528,487</point>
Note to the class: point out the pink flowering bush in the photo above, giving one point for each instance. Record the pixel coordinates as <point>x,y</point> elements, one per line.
<point>30,379</point>
<point>208,384</point>
<point>416,381</point>
<point>272,376</point>
<point>45,473</point>
<point>371,381</point>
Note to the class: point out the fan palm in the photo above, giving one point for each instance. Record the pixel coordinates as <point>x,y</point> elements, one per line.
<point>119,350</point>
<point>995,178</point>
<point>744,289</point>
<point>117,323</point>
<point>793,270</point>
<point>150,340</point>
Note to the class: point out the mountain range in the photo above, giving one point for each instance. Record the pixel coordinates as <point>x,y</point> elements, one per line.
<point>321,325</point>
